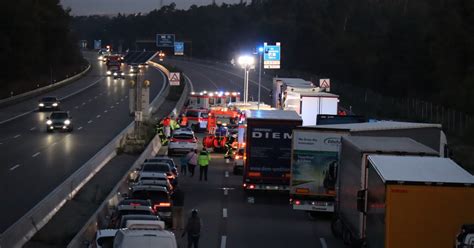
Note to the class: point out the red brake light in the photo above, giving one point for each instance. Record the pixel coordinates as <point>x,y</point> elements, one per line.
<point>251,186</point>
<point>297,202</point>
<point>173,140</point>
<point>135,204</point>
<point>163,204</point>
<point>254,174</point>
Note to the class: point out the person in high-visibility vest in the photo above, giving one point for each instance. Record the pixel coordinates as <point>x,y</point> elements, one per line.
<point>166,126</point>
<point>183,121</point>
<point>203,162</point>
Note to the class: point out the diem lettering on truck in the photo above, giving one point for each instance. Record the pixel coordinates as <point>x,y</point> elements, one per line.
<point>270,149</point>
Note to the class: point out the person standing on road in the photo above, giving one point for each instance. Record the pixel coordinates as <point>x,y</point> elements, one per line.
<point>192,161</point>
<point>193,229</point>
<point>166,127</point>
<point>184,164</point>
<point>203,161</point>
<point>178,203</point>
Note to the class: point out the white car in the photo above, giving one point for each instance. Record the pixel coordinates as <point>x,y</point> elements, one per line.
<point>183,141</point>
<point>105,237</point>
<point>145,235</point>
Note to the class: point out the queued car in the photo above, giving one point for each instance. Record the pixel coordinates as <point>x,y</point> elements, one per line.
<point>182,141</point>
<point>118,74</point>
<point>163,159</point>
<point>126,219</point>
<point>152,167</point>
<point>61,120</point>
<point>145,234</point>
<point>104,238</point>
<point>123,210</point>
<point>238,161</point>
<point>48,103</point>
<point>159,179</point>
<point>159,197</point>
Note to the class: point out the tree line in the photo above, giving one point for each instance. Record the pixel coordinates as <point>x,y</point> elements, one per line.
<point>36,45</point>
<point>422,49</point>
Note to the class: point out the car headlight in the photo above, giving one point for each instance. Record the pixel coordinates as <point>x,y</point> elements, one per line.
<point>115,74</point>
<point>55,104</point>
<point>41,104</point>
<point>67,122</point>
<point>49,122</point>
<point>101,58</point>
<point>109,72</point>
<point>123,73</point>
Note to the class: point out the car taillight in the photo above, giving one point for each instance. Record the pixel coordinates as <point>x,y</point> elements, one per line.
<point>173,140</point>
<point>162,205</point>
<point>297,202</point>
<point>244,185</point>
<point>135,204</point>
<point>251,186</point>
<point>254,174</point>
<point>194,140</point>
<point>237,157</point>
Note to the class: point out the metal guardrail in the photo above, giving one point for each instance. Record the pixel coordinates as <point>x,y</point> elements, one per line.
<point>19,97</point>
<point>105,209</point>
<point>24,229</point>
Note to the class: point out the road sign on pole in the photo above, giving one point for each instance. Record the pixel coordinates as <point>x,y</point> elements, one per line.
<point>178,48</point>
<point>174,78</point>
<point>165,40</point>
<point>325,83</point>
<point>271,56</point>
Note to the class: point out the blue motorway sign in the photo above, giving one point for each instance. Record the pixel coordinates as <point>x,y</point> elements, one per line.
<point>271,56</point>
<point>165,40</point>
<point>178,48</point>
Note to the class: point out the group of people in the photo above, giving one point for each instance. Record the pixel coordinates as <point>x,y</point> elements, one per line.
<point>193,159</point>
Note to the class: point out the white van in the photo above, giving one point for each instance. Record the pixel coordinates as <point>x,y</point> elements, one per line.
<point>145,234</point>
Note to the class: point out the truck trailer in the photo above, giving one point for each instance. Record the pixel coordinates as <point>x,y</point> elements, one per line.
<point>409,201</point>
<point>352,173</point>
<point>315,157</point>
<point>268,149</point>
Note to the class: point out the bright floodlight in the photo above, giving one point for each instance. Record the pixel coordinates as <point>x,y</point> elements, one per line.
<point>246,60</point>
<point>260,49</point>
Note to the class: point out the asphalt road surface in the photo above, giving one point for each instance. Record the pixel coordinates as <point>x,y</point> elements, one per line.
<point>35,162</point>
<point>232,218</point>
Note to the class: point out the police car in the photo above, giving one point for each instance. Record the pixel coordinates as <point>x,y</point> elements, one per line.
<point>182,141</point>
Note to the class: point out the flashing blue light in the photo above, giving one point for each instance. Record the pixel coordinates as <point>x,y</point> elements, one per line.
<point>260,49</point>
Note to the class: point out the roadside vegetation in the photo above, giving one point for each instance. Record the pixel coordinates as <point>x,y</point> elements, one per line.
<point>36,46</point>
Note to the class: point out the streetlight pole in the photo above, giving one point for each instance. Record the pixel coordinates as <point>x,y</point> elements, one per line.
<point>246,62</point>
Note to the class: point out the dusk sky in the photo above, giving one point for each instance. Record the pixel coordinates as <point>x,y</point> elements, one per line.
<point>91,7</point>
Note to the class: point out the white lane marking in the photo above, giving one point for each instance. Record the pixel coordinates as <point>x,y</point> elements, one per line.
<point>126,96</point>
<point>190,82</point>
<point>16,117</point>
<point>83,103</point>
<point>323,243</point>
<point>105,111</point>
<point>76,107</point>
<point>36,154</point>
<point>98,116</point>
<point>33,128</point>
<point>16,136</point>
<point>95,97</point>
<point>117,103</point>
<point>90,100</point>
<point>223,241</point>
<point>226,191</point>
<point>226,174</point>
<point>224,213</point>
<point>14,167</point>
<point>79,128</point>
<point>121,99</point>
<point>89,122</point>
<point>1,143</point>
<point>112,106</point>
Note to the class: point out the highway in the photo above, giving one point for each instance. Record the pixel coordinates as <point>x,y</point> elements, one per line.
<point>231,218</point>
<point>35,162</point>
